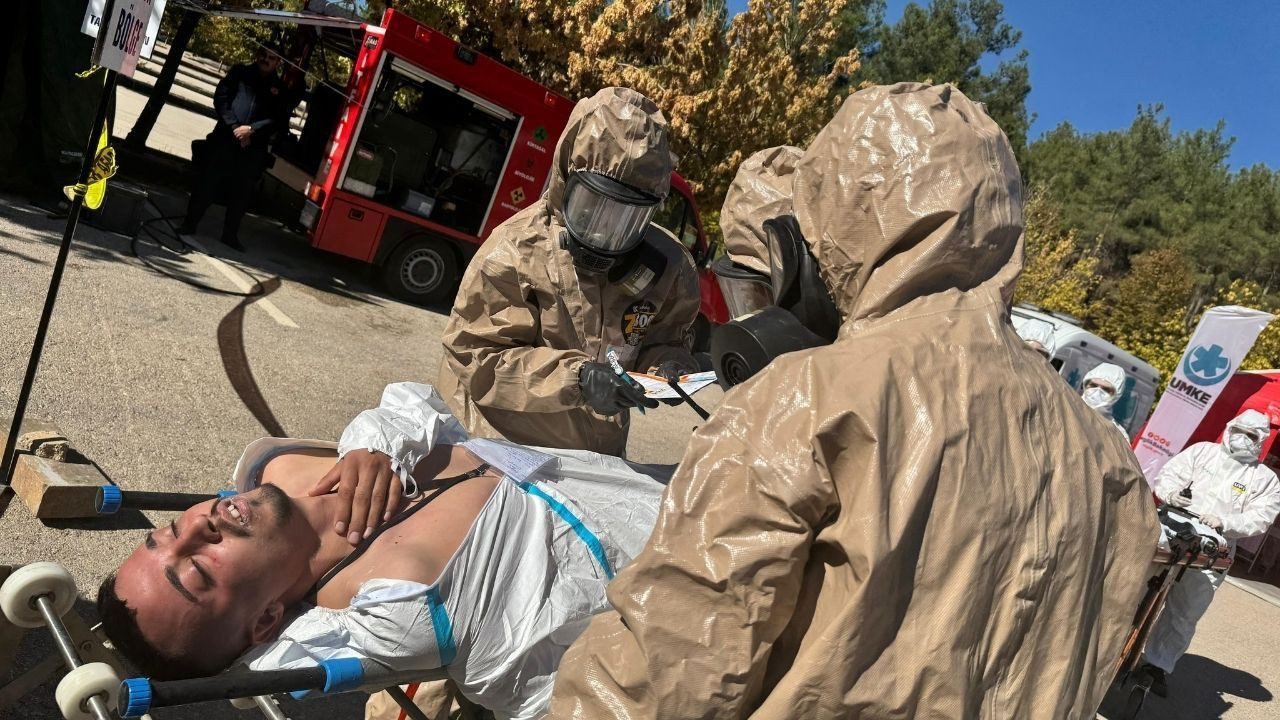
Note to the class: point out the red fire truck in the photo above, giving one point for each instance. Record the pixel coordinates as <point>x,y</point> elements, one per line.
<point>431,146</point>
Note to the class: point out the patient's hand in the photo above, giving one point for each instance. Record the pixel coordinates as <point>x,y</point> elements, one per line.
<point>370,491</point>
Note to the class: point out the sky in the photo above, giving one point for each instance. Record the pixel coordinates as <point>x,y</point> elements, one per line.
<point>1093,63</point>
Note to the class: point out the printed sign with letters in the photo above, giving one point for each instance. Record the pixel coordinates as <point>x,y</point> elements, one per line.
<point>93,18</point>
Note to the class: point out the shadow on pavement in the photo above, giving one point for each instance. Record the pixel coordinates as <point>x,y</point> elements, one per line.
<point>273,250</point>
<point>1200,689</point>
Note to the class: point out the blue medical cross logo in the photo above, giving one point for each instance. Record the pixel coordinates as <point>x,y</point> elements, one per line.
<point>1206,365</point>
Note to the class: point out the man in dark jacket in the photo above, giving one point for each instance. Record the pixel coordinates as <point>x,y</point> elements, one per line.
<point>250,105</point>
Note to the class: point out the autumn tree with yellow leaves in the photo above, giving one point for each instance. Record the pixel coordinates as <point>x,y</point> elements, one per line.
<point>1058,274</point>
<point>768,79</point>
<point>1265,354</point>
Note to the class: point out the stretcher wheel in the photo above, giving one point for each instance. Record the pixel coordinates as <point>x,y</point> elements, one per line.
<point>75,689</point>
<point>243,703</point>
<point>31,581</point>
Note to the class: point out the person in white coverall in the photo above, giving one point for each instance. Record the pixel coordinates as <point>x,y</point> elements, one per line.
<point>1102,389</point>
<point>1231,492</point>
<point>1038,335</point>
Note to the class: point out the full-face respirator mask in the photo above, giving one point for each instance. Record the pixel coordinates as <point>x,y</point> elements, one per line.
<point>788,310</point>
<point>605,220</point>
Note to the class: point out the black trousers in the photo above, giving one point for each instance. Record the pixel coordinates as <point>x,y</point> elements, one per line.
<point>229,174</point>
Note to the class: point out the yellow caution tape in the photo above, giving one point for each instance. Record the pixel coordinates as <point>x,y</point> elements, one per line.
<point>92,69</point>
<point>104,166</point>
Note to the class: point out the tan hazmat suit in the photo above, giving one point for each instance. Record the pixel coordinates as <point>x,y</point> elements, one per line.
<point>525,319</point>
<point>918,521</point>
<point>760,191</point>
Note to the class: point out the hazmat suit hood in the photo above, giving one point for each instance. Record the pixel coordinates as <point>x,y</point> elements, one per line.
<point>525,319</point>
<point>885,195</point>
<point>618,133</point>
<point>1249,421</point>
<point>1114,376</point>
<point>1039,331</point>
<point>760,191</point>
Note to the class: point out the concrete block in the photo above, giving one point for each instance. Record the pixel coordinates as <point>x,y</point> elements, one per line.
<point>53,489</point>
<point>42,438</point>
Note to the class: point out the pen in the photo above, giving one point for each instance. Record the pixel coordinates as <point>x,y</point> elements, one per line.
<point>617,368</point>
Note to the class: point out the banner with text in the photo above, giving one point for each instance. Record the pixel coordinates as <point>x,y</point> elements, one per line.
<point>1222,339</point>
<point>93,18</point>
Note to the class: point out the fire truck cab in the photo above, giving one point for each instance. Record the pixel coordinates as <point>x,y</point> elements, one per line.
<point>433,146</point>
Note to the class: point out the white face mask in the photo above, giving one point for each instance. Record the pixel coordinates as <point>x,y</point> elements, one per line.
<point>1243,447</point>
<point>1097,398</point>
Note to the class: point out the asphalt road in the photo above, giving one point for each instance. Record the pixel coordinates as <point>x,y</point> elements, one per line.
<point>163,384</point>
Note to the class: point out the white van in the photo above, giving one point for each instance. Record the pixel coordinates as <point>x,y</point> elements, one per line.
<point>1078,351</point>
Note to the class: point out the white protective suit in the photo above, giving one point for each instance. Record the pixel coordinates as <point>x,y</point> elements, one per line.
<point>1239,491</point>
<point>1114,376</point>
<point>1038,331</point>
<point>522,586</point>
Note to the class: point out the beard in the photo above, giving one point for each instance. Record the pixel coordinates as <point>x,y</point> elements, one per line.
<point>277,501</point>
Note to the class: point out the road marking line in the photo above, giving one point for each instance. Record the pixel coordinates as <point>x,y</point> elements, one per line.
<point>238,279</point>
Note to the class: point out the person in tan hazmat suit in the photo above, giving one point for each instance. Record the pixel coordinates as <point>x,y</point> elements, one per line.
<point>917,520</point>
<point>576,277</point>
<point>760,191</point>
<point>759,195</point>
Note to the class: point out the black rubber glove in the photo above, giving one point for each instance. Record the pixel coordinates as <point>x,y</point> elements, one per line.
<point>607,393</point>
<point>672,369</point>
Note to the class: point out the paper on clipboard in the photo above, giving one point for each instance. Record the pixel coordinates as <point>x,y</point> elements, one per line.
<point>658,389</point>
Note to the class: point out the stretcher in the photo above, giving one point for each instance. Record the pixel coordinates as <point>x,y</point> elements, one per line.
<point>42,594</point>
<point>1184,545</point>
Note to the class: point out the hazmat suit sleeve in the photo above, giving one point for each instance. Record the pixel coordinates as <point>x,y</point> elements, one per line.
<point>387,621</point>
<point>668,337</point>
<point>1176,475</point>
<point>492,341</point>
<point>734,533</point>
<point>1259,512</point>
<point>409,421</point>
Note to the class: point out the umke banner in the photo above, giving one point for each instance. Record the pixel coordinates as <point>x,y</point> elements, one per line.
<point>1222,339</point>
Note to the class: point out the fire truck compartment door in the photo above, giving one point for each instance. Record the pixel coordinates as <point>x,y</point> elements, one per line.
<point>351,230</point>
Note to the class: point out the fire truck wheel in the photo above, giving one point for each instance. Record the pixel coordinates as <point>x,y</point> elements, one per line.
<point>423,271</point>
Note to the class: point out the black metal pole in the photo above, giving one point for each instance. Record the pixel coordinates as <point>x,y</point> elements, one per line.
<point>8,460</point>
<point>111,500</point>
<point>141,695</point>
<point>235,685</point>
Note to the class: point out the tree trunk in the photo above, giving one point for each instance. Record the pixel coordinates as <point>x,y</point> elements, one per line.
<point>160,93</point>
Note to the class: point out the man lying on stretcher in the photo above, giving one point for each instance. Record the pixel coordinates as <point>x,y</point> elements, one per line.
<point>493,579</point>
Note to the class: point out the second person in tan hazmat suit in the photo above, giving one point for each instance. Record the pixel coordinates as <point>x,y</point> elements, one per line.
<point>573,280</point>
<point>759,194</point>
<point>917,520</point>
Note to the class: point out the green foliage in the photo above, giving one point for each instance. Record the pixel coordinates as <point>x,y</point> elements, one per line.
<point>1176,231</point>
<point>232,41</point>
<point>1147,187</point>
<point>1145,311</point>
<point>946,43</point>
